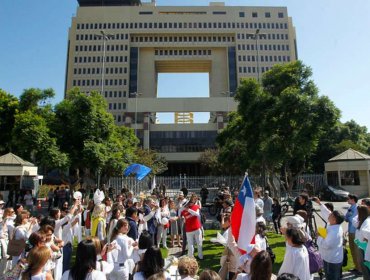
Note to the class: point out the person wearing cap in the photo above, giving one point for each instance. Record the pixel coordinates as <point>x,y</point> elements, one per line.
<point>296,260</point>
<point>267,207</point>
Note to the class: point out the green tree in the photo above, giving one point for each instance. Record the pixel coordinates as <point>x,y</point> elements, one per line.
<point>33,98</point>
<point>32,141</point>
<point>152,159</point>
<point>8,108</point>
<point>87,133</point>
<point>279,123</point>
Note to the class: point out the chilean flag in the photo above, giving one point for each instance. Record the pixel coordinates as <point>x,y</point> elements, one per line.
<point>243,217</point>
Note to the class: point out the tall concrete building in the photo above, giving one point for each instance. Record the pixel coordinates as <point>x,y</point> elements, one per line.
<point>119,47</point>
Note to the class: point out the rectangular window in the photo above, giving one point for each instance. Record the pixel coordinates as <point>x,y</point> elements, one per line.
<point>267,14</point>
<point>219,12</point>
<point>254,14</point>
<point>349,178</point>
<point>281,15</point>
<point>145,13</point>
<point>241,14</point>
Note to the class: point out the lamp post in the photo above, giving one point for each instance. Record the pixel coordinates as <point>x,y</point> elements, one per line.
<point>105,38</point>
<point>256,36</point>
<point>136,94</point>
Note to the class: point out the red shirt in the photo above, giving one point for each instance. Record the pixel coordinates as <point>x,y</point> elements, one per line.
<point>191,222</point>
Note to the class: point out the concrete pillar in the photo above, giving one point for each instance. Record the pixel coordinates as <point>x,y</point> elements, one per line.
<point>146,127</point>
<point>220,121</point>
<point>339,180</point>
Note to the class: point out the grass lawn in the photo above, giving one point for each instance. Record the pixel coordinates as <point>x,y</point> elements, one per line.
<point>212,252</point>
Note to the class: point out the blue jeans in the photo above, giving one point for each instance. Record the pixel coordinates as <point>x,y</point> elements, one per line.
<point>333,271</point>
<point>67,254</point>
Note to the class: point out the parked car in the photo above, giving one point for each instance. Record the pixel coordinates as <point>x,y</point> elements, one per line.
<point>331,193</point>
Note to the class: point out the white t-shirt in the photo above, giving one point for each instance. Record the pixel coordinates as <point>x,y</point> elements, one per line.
<point>94,275</point>
<point>140,276</point>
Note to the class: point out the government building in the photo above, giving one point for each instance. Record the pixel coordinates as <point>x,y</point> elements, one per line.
<point>118,48</point>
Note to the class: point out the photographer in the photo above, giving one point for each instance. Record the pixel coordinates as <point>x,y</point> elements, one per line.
<point>302,202</point>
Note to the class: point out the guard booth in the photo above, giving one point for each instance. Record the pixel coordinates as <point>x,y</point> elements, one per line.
<point>17,174</point>
<point>351,171</point>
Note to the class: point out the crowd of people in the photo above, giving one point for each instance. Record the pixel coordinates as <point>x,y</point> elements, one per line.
<point>120,238</point>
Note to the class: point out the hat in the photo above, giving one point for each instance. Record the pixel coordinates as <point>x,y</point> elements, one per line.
<point>296,221</point>
<point>98,197</point>
<point>2,202</point>
<point>267,192</point>
<point>181,194</point>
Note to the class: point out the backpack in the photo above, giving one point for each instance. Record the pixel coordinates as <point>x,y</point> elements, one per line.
<point>315,260</point>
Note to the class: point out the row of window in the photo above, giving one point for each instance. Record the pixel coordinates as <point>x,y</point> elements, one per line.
<point>117,106</point>
<point>96,82</point>
<point>264,58</point>
<point>118,118</point>
<point>94,48</point>
<point>114,94</point>
<point>252,69</point>
<point>183,39</point>
<point>183,52</point>
<point>108,70</point>
<point>241,14</point>
<point>97,37</point>
<point>263,47</point>
<point>97,59</point>
<point>269,36</point>
<point>165,25</point>
<point>255,14</point>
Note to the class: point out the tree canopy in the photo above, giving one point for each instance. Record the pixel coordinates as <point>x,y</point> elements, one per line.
<point>279,123</point>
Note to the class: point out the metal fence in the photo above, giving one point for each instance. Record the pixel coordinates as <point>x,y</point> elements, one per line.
<point>194,184</point>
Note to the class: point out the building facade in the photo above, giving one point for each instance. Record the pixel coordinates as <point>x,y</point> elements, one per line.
<point>118,47</point>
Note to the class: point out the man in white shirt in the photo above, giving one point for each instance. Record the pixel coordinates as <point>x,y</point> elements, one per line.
<point>331,247</point>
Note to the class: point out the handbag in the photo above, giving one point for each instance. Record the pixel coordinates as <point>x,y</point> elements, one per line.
<point>315,260</point>
<point>16,247</point>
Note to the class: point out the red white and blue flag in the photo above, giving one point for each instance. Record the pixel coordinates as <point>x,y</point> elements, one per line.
<point>243,217</point>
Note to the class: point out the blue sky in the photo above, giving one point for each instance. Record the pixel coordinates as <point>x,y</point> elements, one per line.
<point>333,38</point>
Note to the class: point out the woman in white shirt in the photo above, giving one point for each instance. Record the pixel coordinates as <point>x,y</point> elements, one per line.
<point>36,260</point>
<point>116,214</point>
<point>122,254</point>
<point>261,268</point>
<point>23,228</point>
<point>151,264</point>
<point>163,216</point>
<point>85,264</point>
<point>296,260</point>
<point>101,265</point>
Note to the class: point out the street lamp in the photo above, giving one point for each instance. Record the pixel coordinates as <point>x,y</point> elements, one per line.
<point>105,38</point>
<point>136,94</point>
<point>257,35</point>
